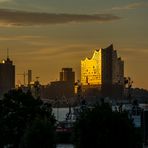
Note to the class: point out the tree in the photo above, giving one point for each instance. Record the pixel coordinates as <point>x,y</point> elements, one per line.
<point>100,127</point>
<point>40,134</point>
<point>17,111</point>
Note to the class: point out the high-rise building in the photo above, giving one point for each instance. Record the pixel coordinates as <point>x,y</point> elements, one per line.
<point>7,76</point>
<point>64,87</point>
<point>104,71</point>
<point>67,75</point>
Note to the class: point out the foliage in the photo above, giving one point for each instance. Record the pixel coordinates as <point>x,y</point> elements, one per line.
<point>100,127</point>
<point>17,111</point>
<point>40,134</point>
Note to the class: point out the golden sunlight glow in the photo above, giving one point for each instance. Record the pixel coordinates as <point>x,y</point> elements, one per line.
<point>91,69</point>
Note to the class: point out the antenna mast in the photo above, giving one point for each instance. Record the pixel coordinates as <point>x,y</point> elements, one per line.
<point>7,53</point>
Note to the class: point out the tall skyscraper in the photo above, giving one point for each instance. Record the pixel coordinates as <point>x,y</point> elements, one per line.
<point>104,71</point>
<point>7,76</point>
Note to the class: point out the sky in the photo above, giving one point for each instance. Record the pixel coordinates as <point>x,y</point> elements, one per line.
<point>47,35</point>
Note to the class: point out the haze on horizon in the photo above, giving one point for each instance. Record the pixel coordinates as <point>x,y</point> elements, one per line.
<point>46,35</point>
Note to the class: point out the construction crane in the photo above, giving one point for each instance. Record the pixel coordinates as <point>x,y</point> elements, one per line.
<point>24,76</point>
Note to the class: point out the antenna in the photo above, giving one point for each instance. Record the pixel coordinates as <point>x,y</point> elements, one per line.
<point>7,53</point>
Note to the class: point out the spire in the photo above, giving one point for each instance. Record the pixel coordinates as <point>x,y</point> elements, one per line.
<point>7,53</point>
<point>8,60</point>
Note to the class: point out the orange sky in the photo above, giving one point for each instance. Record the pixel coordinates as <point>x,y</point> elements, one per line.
<point>45,35</point>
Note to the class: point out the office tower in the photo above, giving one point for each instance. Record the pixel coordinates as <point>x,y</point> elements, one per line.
<point>104,71</point>
<point>67,75</point>
<point>29,76</point>
<point>7,76</point>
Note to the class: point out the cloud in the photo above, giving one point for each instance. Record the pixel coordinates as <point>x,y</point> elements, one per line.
<point>135,50</point>
<point>23,18</point>
<point>132,6</point>
<point>19,38</point>
<point>134,54</point>
<point>1,1</point>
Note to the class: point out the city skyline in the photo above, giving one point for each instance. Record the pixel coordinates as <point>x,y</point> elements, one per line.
<point>47,35</point>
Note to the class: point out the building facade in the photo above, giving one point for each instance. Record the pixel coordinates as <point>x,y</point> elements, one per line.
<point>7,76</point>
<point>104,72</point>
<point>64,87</point>
<point>67,75</point>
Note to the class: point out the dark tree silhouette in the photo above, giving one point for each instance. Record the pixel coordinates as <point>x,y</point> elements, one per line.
<point>40,134</point>
<point>17,111</point>
<point>100,127</point>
